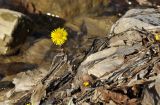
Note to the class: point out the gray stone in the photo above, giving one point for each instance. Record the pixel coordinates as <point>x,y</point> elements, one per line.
<point>106,66</point>
<point>128,38</point>
<point>157,85</point>
<point>14,28</point>
<point>100,55</point>
<point>107,60</point>
<point>137,18</point>
<point>147,98</point>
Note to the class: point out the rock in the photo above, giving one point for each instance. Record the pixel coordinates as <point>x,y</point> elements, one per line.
<point>26,80</point>
<point>144,2</point>
<point>106,66</point>
<point>127,50</point>
<point>38,94</point>
<point>100,55</point>
<point>14,29</point>
<point>137,18</point>
<point>157,85</point>
<point>149,97</point>
<point>152,3</point>
<point>112,98</point>
<point>128,38</point>
<point>107,60</point>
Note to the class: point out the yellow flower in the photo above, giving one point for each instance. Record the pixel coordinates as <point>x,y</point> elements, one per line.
<point>29,103</point>
<point>59,36</point>
<point>86,84</point>
<point>157,36</point>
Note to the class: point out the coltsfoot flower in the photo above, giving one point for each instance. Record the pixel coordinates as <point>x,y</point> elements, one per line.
<point>59,36</point>
<point>86,84</point>
<point>157,36</point>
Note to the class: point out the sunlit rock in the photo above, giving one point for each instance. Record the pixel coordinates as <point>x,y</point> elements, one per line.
<point>14,28</point>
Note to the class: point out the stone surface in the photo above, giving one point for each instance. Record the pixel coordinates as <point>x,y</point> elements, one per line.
<point>26,80</point>
<point>107,60</point>
<point>144,2</point>
<point>157,85</point>
<point>100,55</point>
<point>128,38</point>
<point>148,98</point>
<point>124,43</point>
<point>149,2</point>
<point>106,66</point>
<point>137,18</point>
<point>14,28</point>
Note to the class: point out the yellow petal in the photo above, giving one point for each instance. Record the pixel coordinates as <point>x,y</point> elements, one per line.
<point>157,37</point>
<point>29,103</point>
<point>59,36</point>
<point>86,83</point>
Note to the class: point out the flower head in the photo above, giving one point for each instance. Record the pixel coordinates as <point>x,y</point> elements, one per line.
<point>29,103</point>
<point>86,84</point>
<point>59,36</point>
<point>157,37</point>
